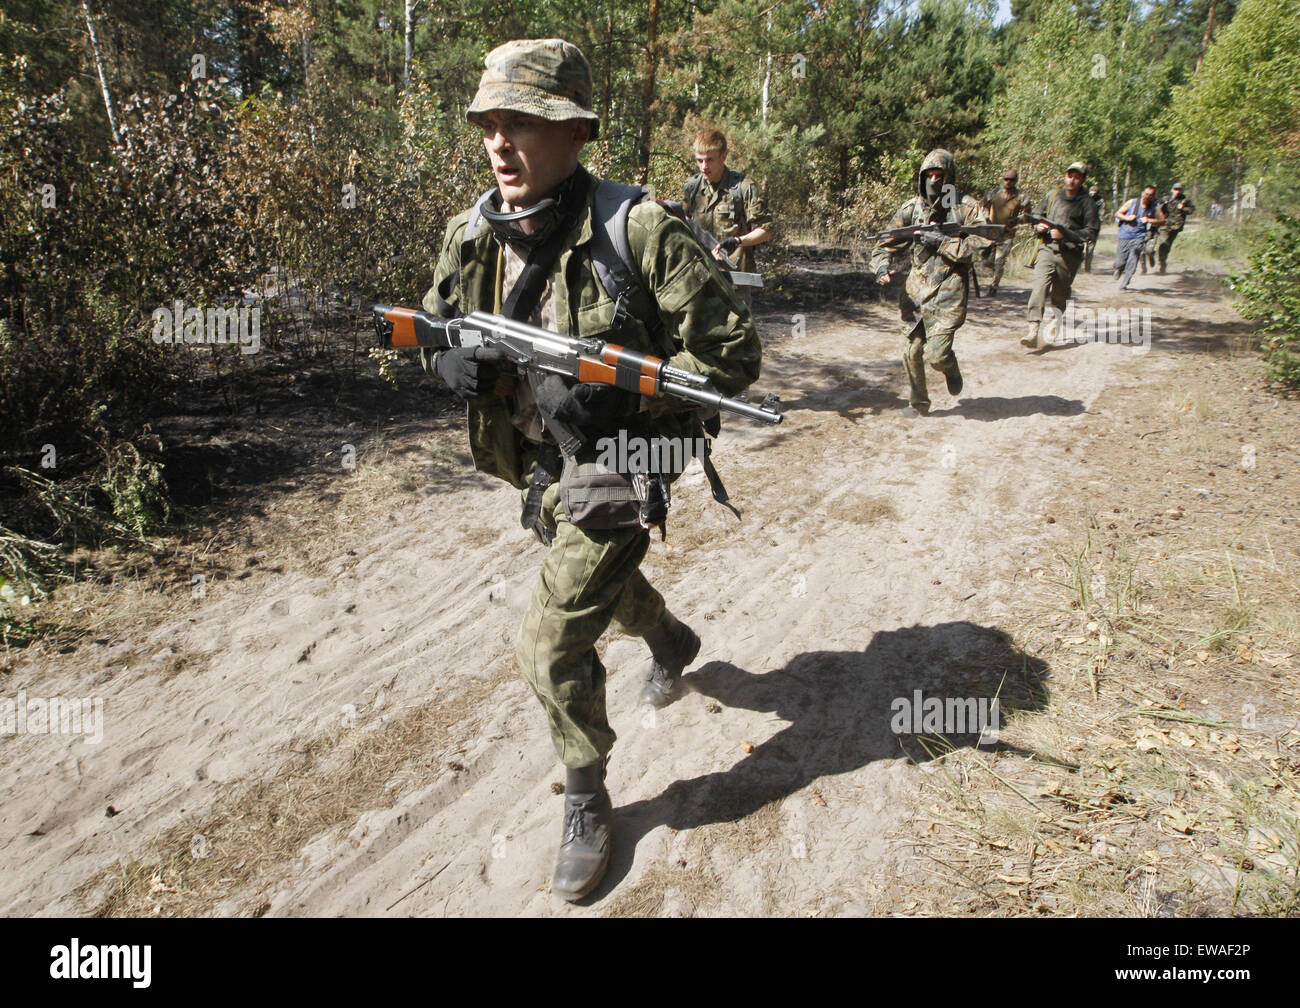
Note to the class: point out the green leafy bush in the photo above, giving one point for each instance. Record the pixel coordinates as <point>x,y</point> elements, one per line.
<point>1269,293</point>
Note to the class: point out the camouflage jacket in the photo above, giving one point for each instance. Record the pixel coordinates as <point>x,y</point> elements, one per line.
<point>930,269</point>
<point>711,330</point>
<point>1176,213</point>
<point>732,208</point>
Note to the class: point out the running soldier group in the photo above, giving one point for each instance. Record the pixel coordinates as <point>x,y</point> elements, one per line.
<point>528,249</point>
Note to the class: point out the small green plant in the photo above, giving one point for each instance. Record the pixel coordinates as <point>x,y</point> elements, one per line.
<point>135,488</point>
<point>1269,293</point>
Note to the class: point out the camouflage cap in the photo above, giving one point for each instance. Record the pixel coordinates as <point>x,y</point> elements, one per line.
<point>548,78</point>
<point>1178,186</point>
<point>1080,167</point>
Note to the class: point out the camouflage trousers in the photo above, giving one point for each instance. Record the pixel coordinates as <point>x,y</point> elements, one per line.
<point>589,582</point>
<point>1166,243</point>
<point>1147,260</point>
<point>932,314</point>
<point>1053,278</point>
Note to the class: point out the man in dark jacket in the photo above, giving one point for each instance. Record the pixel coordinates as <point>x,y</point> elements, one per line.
<point>1058,258</point>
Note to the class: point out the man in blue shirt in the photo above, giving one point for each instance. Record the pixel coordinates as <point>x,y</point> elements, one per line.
<point>1136,218</point>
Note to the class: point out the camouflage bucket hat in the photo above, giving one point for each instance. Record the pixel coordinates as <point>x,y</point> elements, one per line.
<point>548,78</point>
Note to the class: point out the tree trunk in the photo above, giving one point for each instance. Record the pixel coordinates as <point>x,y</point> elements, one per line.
<point>767,81</point>
<point>1236,189</point>
<point>1128,175</point>
<point>648,89</point>
<point>606,99</point>
<point>407,35</point>
<point>249,40</point>
<point>844,174</point>
<point>1205,42</point>
<point>99,67</point>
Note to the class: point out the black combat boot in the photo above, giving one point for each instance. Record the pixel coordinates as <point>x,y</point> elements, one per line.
<point>673,646</point>
<point>584,845</point>
<point>953,379</point>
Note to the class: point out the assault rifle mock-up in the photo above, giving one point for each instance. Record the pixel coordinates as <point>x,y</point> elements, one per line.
<point>948,229</point>
<point>1072,236</point>
<point>583,360</point>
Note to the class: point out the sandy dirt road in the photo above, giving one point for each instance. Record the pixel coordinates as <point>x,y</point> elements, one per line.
<point>877,556</point>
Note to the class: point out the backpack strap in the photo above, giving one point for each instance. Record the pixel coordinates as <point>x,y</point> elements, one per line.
<point>616,266</point>
<point>475,223</point>
<point>473,228</point>
<point>692,190</point>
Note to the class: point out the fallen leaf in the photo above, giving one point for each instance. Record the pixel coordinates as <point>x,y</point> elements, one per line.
<point>1178,820</point>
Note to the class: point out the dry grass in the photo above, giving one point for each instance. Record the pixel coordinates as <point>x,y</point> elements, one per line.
<point>1161,779</point>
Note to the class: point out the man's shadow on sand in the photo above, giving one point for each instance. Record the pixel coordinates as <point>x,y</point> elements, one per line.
<point>990,408</point>
<point>842,708</point>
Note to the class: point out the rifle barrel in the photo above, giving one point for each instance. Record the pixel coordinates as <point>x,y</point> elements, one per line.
<point>720,402</point>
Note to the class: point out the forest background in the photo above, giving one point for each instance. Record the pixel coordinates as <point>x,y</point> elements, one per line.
<point>303,158</point>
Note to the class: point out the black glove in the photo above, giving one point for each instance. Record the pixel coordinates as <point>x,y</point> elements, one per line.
<point>470,371</point>
<point>930,239</point>
<point>729,245</point>
<point>882,277</point>
<point>587,404</point>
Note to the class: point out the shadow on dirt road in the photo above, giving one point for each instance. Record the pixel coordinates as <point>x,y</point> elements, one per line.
<point>842,707</point>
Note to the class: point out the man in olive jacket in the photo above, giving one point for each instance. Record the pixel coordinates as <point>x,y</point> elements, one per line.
<point>1057,259</point>
<point>534,105</point>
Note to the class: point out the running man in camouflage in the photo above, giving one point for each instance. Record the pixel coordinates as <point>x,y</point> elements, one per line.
<point>526,251</point>
<point>933,302</point>
<point>1177,209</point>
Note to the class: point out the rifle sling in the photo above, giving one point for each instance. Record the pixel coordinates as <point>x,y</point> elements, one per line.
<point>520,305</point>
<point>715,481</point>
